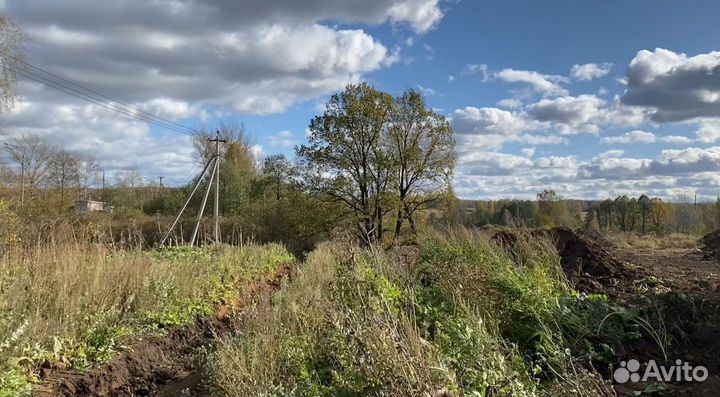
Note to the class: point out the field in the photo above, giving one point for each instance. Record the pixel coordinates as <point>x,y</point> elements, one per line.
<point>460,313</point>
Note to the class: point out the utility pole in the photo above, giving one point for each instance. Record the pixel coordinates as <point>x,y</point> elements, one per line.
<point>216,212</point>
<point>212,167</point>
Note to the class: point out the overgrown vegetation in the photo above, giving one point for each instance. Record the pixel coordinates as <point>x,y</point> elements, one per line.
<point>75,304</point>
<point>463,318</point>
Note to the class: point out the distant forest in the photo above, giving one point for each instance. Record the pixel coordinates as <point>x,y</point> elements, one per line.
<point>641,214</point>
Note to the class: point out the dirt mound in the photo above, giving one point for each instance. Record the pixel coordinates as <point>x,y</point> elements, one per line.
<point>584,257</point>
<point>710,245</point>
<point>595,237</point>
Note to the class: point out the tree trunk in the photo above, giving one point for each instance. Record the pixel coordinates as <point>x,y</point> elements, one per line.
<point>643,224</point>
<point>413,226</point>
<point>379,226</point>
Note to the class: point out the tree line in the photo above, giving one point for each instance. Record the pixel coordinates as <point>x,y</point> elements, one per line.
<point>373,163</point>
<point>642,214</point>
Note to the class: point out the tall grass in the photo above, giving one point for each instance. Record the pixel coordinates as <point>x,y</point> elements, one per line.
<point>468,318</point>
<point>670,241</point>
<point>74,303</point>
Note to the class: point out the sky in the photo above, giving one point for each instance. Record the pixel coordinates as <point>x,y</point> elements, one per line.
<point>590,98</point>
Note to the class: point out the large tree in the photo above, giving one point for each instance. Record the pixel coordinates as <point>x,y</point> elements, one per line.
<point>88,173</point>
<point>11,59</point>
<point>644,205</point>
<point>62,172</point>
<point>344,154</point>
<point>278,171</point>
<point>32,154</point>
<point>377,154</point>
<point>422,154</point>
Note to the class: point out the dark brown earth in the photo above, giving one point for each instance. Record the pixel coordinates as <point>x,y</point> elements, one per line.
<point>151,361</point>
<point>678,290</point>
<point>710,245</point>
<point>686,285</point>
<point>584,256</point>
<point>161,365</point>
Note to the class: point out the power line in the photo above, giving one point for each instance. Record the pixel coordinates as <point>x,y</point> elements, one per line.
<point>170,122</point>
<point>129,111</point>
<point>65,89</point>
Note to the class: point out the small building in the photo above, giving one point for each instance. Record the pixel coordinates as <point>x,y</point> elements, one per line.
<point>92,206</point>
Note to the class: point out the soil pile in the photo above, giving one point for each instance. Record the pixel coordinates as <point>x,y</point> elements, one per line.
<point>710,245</point>
<point>152,361</point>
<point>584,257</point>
<point>584,254</point>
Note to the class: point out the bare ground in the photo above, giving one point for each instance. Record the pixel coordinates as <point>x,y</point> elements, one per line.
<point>687,284</point>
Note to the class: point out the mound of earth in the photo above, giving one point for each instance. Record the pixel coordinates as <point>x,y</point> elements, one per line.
<point>584,257</point>
<point>710,245</point>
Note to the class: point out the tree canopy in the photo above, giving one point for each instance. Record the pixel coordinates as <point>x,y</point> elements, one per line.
<point>378,155</point>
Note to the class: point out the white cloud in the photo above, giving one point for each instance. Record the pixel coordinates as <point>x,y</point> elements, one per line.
<point>636,136</point>
<point>422,15</point>
<point>180,59</point>
<point>571,114</point>
<point>490,128</point>
<point>676,139</point>
<point>493,163</point>
<point>451,78</point>
<point>426,91</point>
<point>709,131</point>
<point>528,151</point>
<point>590,71</point>
<point>117,143</point>
<point>473,68</point>
<point>690,160</point>
<point>430,52</point>
<point>612,153</point>
<point>258,58</point>
<point>620,115</point>
<point>282,139</point>
<point>547,84</point>
<point>613,167</point>
<point>531,139</point>
<point>487,121</point>
<point>510,103</point>
<point>674,86</point>
<point>671,173</point>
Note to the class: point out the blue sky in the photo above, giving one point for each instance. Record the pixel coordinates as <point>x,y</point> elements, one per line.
<point>590,98</point>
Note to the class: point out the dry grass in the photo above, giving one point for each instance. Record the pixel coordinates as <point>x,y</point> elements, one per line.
<point>75,302</point>
<point>670,241</point>
<point>455,316</point>
<point>306,324</point>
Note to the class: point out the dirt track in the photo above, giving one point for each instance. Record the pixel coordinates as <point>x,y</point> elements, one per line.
<point>684,270</point>
<point>156,365</point>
